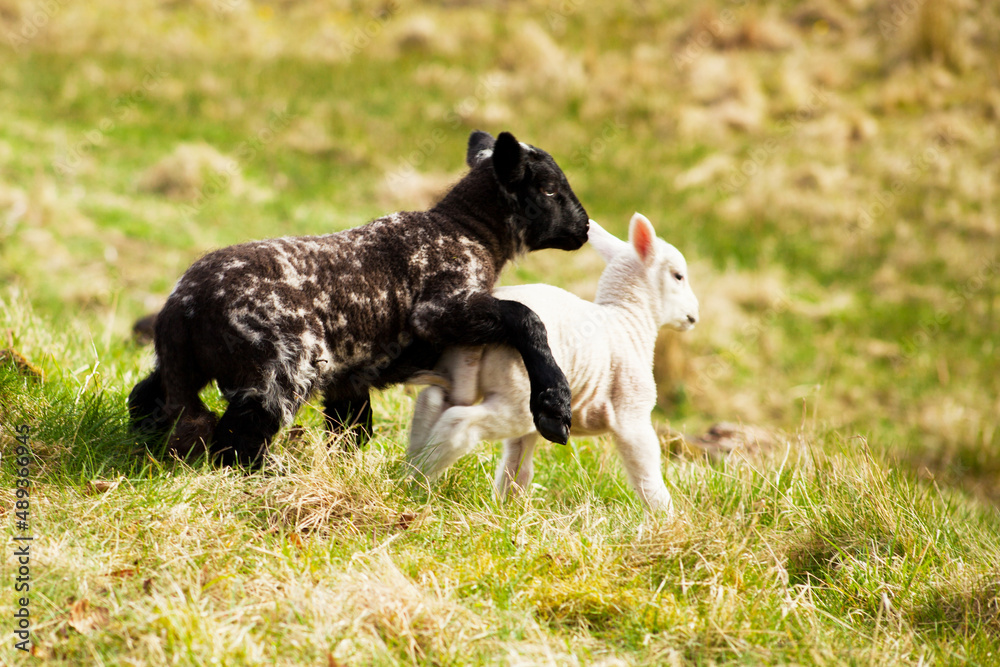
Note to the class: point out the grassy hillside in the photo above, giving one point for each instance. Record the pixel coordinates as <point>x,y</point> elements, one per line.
<point>828,167</point>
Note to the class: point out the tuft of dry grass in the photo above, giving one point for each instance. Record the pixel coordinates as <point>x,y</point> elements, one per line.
<point>414,190</point>
<point>187,172</point>
<point>937,35</point>
<point>12,357</point>
<point>339,491</point>
<point>970,608</point>
<point>387,608</point>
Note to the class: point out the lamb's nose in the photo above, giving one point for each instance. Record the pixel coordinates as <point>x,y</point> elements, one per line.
<point>692,319</point>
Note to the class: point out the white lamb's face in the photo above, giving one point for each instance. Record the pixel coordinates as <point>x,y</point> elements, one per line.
<point>679,305</point>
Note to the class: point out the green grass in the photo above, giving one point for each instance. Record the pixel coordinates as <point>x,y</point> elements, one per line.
<point>865,531</point>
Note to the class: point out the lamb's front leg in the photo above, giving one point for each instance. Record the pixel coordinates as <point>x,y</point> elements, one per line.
<point>639,448</point>
<point>550,395</point>
<point>482,319</point>
<point>459,368</point>
<point>350,413</point>
<point>515,468</point>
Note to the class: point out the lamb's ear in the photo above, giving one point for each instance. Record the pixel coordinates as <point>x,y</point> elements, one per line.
<point>508,160</point>
<point>605,243</point>
<point>641,235</point>
<point>480,147</point>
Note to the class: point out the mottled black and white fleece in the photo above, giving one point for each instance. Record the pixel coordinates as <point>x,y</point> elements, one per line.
<point>276,321</point>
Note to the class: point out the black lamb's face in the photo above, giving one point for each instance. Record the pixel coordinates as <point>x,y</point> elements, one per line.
<point>548,211</point>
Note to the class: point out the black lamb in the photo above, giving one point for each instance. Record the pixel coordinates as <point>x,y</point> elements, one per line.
<point>275,321</point>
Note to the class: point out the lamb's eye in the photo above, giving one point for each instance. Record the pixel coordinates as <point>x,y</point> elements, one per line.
<point>548,190</point>
<point>679,276</point>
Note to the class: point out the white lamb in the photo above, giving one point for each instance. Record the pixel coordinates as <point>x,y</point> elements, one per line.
<point>606,350</point>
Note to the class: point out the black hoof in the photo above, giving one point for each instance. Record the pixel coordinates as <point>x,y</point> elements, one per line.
<point>229,458</point>
<point>553,430</point>
<point>353,415</point>
<point>552,414</point>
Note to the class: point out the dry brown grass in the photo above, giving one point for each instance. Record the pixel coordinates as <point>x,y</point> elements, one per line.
<point>189,171</point>
<point>329,496</point>
<point>385,606</point>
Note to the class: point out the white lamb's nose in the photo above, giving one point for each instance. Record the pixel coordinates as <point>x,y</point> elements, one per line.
<point>692,319</point>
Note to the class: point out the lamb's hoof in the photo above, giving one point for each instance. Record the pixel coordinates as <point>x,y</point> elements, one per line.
<point>230,458</point>
<point>553,430</point>
<point>553,416</point>
<point>191,436</point>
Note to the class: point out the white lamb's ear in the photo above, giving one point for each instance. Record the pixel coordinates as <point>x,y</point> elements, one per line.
<point>641,235</point>
<point>605,243</point>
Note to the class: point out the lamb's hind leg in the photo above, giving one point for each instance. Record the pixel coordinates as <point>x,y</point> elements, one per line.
<point>244,432</point>
<point>463,365</point>
<point>152,418</point>
<point>147,404</point>
<point>178,406</point>
<point>515,468</point>
<point>431,404</point>
<point>459,368</point>
<point>460,428</point>
<point>175,395</point>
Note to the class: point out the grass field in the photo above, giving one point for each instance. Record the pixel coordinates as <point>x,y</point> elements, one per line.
<point>830,170</point>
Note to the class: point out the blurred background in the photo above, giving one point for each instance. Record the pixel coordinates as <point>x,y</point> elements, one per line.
<point>830,168</point>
